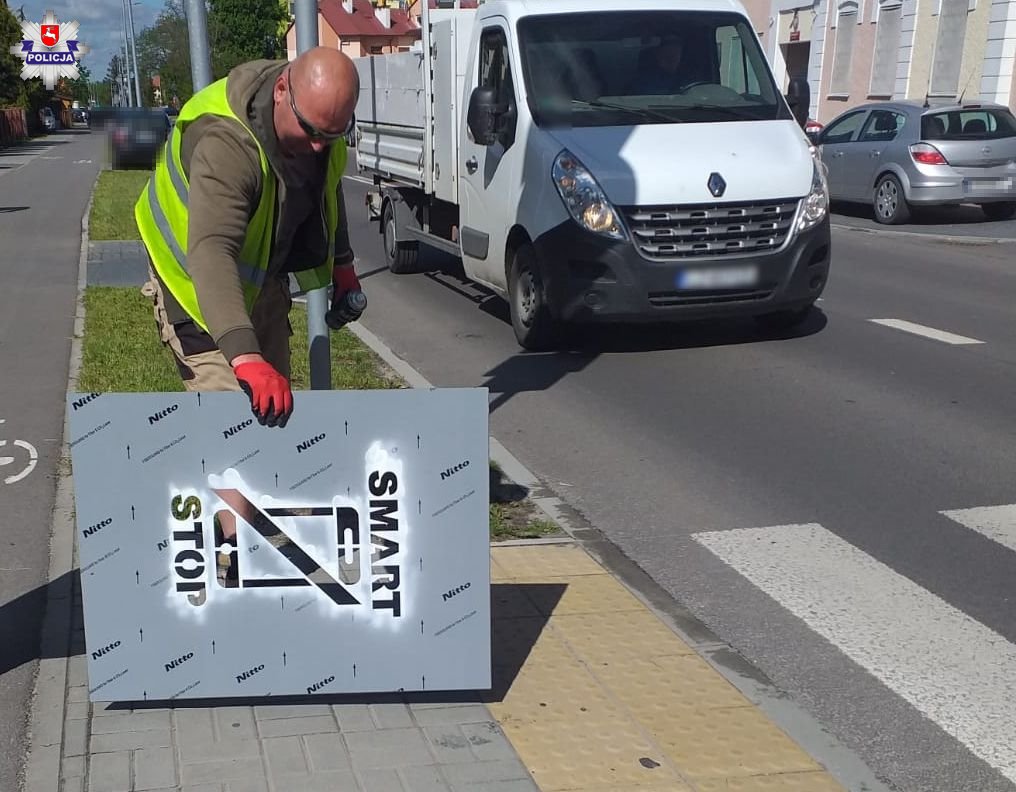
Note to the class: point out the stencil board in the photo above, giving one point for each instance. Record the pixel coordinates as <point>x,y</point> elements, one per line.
<point>361,550</point>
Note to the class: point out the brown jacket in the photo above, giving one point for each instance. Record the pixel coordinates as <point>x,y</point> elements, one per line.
<point>224,173</point>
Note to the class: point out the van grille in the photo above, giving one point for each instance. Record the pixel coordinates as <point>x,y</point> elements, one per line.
<point>693,230</point>
<point>672,298</point>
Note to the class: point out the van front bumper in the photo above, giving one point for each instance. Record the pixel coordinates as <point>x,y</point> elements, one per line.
<point>589,277</point>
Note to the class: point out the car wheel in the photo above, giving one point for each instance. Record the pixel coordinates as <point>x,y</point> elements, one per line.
<point>889,202</point>
<point>999,211</point>
<point>535,328</point>
<point>401,257</point>
<point>785,320</point>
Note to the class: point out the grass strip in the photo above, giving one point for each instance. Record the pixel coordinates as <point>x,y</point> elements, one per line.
<point>112,216</point>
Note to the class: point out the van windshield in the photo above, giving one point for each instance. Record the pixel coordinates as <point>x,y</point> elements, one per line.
<point>646,67</point>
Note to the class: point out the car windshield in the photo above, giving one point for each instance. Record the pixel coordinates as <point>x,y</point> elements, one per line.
<point>968,124</point>
<point>606,69</point>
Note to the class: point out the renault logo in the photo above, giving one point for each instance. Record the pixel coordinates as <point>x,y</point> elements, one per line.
<point>716,185</point>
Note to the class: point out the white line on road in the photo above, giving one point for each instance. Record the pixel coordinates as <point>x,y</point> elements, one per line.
<point>998,523</point>
<point>360,179</point>
<point>927,332</point>
<point>33,458</point>
<point>953,669</point>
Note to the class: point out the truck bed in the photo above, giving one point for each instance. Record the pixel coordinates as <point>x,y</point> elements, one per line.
<point>391,117</point>
<point>409,108</point>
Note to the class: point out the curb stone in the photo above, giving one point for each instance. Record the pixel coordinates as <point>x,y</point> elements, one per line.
<point>49,697</point>
<point>952,239</point>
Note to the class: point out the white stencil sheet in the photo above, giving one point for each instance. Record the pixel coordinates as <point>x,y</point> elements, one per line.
<point>361,548</point>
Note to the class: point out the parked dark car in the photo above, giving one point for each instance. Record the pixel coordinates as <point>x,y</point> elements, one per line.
<point>898,155</point>
<point>136,135</point>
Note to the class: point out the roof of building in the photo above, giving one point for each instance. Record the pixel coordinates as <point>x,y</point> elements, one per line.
<point>363,21</point>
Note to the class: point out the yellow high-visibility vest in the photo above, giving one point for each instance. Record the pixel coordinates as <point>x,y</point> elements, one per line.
<point>161,212</point>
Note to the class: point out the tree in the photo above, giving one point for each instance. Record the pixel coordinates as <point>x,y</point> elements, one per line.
<point>243,30</point>
<point>79,88</point>
<point>164,49</point>
<point>12,87</point>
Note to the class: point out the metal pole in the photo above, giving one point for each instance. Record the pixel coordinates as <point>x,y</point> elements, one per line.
<point>197,29</point>
<point>126,72</point>
<point>306,13</point>
<point>134,53</point>
<point>125,76</point>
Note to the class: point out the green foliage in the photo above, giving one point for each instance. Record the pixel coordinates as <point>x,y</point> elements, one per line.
<point>244,30</point>
<point>164,49</point>
<point>12,87</point>
<point>79,88</point>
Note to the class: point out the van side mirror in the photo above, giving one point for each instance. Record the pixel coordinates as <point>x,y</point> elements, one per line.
<point>481,117</point>
<point>799,99</point>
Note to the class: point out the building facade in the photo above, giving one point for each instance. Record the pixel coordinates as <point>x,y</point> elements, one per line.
<point>360,27</point>
<point>854,51</point>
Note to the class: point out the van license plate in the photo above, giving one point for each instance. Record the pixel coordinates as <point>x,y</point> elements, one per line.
<point>718,278</point>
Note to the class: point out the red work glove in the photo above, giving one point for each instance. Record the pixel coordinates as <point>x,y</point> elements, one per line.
<point>344,279</point>
<point>271,398</point>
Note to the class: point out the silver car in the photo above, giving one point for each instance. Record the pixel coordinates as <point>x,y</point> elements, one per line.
<point>897,155</point>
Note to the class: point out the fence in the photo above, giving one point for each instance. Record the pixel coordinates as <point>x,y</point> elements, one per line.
<point>13,125</point>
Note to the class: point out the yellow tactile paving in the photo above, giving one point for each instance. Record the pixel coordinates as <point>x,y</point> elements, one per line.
<point>599,694</point>
<point>787,782</point>
<point>536,562</point>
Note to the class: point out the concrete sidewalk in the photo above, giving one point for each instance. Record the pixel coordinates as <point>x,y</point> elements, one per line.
<point>592,692</point>
<point>593,689</point>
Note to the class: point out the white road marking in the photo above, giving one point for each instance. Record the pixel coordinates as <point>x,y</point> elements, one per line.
<point>927,332</point>
<point>359,179</point>
<point>998,523</point>
<point>953,669</point>
<point>33,459</point>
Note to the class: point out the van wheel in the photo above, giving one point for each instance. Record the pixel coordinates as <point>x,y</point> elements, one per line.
<point>999,211</point>
<point>889,202</point>
<point>535,328</point>
<point>401,257</point>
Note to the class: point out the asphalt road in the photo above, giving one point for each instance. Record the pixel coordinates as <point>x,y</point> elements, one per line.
<point>44,188</point>
<point>841,445</point>
<point>965,220</point>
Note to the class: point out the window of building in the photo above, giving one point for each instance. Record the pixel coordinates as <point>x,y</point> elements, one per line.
<point>845,24</point>
<point>887,42</point>
<point>952,29</point>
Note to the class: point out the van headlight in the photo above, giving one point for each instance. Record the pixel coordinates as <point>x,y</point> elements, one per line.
<point>585,200</point>
<point>816,205</point>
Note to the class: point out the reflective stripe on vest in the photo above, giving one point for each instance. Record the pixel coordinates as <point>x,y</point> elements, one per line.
<point>162,213</point>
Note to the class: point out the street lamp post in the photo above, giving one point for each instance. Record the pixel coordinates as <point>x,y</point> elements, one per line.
<point>197,32</point>
<point>306,13</point>
<point>126,102</point>
<point>134,52</point>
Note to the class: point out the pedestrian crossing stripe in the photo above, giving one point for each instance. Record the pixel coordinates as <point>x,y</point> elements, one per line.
<point>950,667</point>
<point>998,523</point>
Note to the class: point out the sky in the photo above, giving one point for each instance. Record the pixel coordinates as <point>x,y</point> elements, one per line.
<point>101,24</point>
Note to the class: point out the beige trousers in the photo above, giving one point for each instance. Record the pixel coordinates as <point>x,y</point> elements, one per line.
<point>202,366</point>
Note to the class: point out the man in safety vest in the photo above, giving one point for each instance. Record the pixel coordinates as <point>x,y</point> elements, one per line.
<point>248,191</point>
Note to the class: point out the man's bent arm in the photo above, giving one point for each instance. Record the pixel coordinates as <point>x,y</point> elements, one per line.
<point>343,250</point>
<point>225,187</point>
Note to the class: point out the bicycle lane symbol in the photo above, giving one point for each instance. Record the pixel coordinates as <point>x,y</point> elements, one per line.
<point>33,459</point>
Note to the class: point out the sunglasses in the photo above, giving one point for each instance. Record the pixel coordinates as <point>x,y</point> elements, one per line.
<point>309,129</point>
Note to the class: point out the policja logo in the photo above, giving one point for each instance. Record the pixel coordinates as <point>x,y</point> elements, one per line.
<point>50,50</point>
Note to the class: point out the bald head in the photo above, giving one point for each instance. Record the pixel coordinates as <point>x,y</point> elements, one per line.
<point>323,85</point>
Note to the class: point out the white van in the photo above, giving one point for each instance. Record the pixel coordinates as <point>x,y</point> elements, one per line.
<point>598,160</point>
